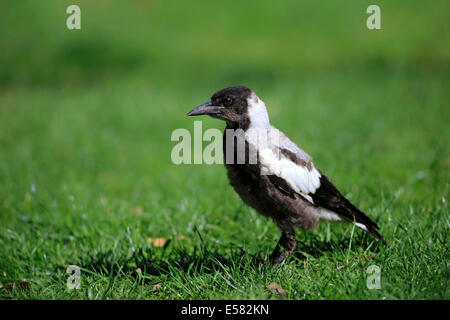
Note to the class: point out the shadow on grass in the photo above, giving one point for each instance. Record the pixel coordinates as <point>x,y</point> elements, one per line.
<point>157,262</point>
<point>203,259</point>
<point>314,246</point>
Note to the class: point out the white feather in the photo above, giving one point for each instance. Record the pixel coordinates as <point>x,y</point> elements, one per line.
<point>360,225</point>
<point>257,113</point>
<point>267,139</point>
<point>299,178</point>
<point>331,216</point>
<point>328,215</point>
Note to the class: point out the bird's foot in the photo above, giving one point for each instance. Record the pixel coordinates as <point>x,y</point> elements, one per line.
<point>288,242</point>
<point>278,259</point>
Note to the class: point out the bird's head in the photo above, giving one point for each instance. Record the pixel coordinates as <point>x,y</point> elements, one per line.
<point>238,106</point>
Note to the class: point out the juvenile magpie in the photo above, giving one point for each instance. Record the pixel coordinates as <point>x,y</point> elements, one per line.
<point>281,182</point>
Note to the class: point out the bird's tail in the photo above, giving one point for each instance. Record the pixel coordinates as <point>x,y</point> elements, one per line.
<point>363,222</point>
<point>372,230</point>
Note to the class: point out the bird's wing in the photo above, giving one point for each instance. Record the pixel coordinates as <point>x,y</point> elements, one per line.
<point>328,196</point>
<point>288,166</point>
<point>302,178</point>
<point>292,171</point>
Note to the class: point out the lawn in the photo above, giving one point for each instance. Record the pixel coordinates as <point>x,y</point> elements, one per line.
<point>86,176</point>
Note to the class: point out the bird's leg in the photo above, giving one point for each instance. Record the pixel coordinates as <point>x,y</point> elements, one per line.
<point>288,242</point>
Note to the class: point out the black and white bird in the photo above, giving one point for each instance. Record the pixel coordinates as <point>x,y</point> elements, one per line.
<point>283,182</point>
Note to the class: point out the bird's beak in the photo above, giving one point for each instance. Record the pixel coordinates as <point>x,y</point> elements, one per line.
<point>206,108</point>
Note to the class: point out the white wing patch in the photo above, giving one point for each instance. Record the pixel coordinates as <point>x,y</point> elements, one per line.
<point>299,178</point>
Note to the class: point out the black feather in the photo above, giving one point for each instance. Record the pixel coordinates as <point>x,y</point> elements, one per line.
<point>328,196</point>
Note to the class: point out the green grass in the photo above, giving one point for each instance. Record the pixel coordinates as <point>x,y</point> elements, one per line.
<point>86,176</point>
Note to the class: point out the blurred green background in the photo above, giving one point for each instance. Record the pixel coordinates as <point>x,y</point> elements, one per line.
<point>86,117</point>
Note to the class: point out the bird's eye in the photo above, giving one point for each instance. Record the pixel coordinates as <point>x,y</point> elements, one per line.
<point>228,101</point>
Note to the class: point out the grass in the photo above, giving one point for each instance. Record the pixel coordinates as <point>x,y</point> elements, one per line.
<point>86,177</point>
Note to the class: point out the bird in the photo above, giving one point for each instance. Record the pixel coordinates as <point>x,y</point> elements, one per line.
<point>277,179</point>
